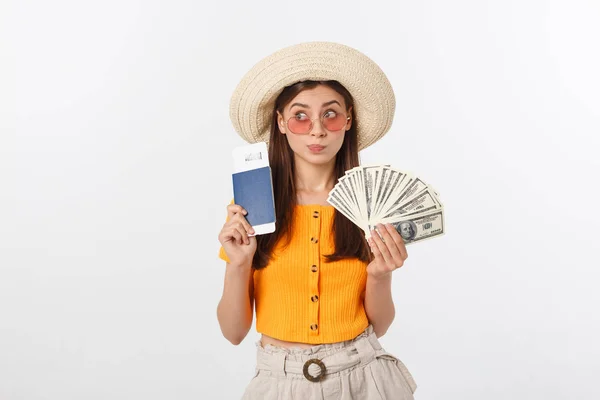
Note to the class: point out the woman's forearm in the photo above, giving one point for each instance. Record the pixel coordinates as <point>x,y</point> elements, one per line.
<point>379,304</point>
<point>235,310</point>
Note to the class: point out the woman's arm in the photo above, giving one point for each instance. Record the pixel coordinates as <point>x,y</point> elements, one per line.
<point>389,254</point>
<point>235,310</point>
<point>379,304</point>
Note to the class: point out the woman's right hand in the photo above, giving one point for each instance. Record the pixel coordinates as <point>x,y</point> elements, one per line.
<point>240,247</point>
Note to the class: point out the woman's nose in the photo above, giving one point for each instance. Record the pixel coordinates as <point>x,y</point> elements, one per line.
<point>318,129</point>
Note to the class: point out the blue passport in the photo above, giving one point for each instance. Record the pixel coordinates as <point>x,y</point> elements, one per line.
<point>253,190</point>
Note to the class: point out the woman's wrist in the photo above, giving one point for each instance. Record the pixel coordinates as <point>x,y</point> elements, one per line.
<point>380,278</point>
<point>239,266</point>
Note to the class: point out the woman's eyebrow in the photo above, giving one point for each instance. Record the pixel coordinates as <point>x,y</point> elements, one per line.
<point>300,105</point>
<point>331,102</point>
<point>324,104</point>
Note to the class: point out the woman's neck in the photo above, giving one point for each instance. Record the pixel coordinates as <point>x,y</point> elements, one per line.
<point>314,181</point>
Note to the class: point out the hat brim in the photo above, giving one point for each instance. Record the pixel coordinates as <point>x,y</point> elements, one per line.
<point>253,101</point>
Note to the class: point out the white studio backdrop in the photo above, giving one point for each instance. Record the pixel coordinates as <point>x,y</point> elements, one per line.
<point>115,167</point>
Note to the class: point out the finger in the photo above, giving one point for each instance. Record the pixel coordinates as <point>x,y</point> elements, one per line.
<point>242,231</point>
<point>247,227</point>
<point>239,220</point>
<point>226,234</point>
<point>395,240</point>
<point>233,209</point>
<point>390,242</point>
<point>233,232</point>
<point>374,248</point>
<point>237,236</point>
<point>385,253</point>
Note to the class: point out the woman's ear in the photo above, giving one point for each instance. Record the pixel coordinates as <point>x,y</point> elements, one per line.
<point>349,121</point>
<point>280,123</point>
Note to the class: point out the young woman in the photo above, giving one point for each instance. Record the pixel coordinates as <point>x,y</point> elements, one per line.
<point>322,293</point>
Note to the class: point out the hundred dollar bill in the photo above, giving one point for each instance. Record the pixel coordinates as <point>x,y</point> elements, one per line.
<point>415,186</point>
<point>356,185</point>
<point>335,200</point>
<point>348,195</point>
<point>370,175</point>
<point>423,201</point>
<point>409,186</point>
<point>390,180</point>
<point>418,227</point>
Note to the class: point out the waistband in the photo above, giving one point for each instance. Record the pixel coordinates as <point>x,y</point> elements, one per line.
<point>320,360</point>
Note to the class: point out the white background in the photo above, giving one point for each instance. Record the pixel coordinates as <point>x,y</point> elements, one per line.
<point>115,165</point>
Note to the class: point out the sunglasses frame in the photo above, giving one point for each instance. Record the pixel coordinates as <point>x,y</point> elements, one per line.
<point>312,125</point>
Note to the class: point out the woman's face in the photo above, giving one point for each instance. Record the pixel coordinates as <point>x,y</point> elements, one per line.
<point>319,146</point>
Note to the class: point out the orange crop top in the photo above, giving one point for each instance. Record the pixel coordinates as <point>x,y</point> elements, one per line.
<point>299,296</point>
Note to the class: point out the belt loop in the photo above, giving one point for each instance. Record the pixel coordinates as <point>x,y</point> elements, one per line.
<point>365,350</point>
<point>375,343</point>
<point>277,361</point>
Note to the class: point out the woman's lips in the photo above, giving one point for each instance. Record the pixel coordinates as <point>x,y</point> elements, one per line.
<point>315,148</point>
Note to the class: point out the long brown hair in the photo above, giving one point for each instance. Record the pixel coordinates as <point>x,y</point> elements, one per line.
<point>348,238</point>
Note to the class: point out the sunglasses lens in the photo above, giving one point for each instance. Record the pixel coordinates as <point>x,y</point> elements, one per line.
<point>335,122</point>
<point>299,126</point>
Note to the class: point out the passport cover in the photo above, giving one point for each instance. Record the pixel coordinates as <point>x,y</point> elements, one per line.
<point>253,190</point>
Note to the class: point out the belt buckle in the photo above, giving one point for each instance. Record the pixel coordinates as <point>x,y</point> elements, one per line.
<point>311,378</point>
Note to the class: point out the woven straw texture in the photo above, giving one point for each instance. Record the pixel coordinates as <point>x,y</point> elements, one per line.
<point>253,100</point>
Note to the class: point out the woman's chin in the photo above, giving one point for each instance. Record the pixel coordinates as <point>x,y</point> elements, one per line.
<point>318,159</point>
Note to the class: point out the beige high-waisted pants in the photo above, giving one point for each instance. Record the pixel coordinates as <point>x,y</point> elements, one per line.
<point>357,369</point>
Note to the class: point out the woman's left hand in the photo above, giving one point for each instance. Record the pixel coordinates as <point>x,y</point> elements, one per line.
<point>390,253</point>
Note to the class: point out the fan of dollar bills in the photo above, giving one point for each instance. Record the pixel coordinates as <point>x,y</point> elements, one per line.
<point>368,195</point>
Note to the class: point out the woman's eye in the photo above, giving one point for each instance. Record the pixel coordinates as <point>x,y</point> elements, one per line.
<point>330,114</point>
<point>301,116</point>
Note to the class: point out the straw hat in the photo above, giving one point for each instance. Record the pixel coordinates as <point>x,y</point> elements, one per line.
<point>252,102</point>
